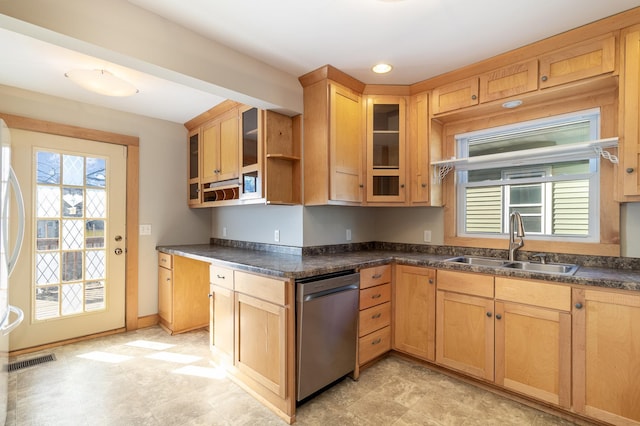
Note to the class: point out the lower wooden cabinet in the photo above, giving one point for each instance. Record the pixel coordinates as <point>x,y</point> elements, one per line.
<point>414,318</point>
<point>606,355</point>
<point>374,326</point>
<point>183,287</point>
<point>464,323</point>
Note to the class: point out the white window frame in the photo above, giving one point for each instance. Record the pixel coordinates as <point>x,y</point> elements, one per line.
<point>537,161</point>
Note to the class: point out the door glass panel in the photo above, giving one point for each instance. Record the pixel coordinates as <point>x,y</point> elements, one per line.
<point>250,137</point>
<point>193,157</point>
<point>386,136</point>
<point>72,202</point>
<point>386,185</point>
<point>73,170</point>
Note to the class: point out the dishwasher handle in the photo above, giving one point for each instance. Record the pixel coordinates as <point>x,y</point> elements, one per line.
<point>329,292</point>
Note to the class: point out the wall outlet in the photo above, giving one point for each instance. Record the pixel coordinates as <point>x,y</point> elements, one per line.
<point>427,236</point>
<point>276,235</point>
<point>224,231</point>
<point>348,234</point>
<point>145,229</point>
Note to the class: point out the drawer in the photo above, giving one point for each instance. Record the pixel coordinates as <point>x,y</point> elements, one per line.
<point>375,296</point>
<point>370,277</point>
<point>466,283</point>
<point>165,260</point>
<point>374,318</point>
<point>534,293</point>
<point>373,345</point>
<point>221,276</point>
<point>265,288</point>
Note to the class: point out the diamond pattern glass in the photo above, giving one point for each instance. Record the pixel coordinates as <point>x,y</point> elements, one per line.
<point>73,202</point>
<point>95,264</point>
<point>72,234</point>
<point>72,170</point>
<point>47,302</point>
<point>96,172</point>
<point>71,299</point>
<point>96,203</point>
<point>48,167</point>
<point>94,295</point>
<point>47,268</point>
<point>71,256</point>
<point>48,201</point>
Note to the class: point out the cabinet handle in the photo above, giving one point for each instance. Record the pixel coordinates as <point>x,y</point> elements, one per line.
<point>430,280</point>
<point>489,314</point>
<point>375,342</point>
<point>210,295</point>
<point>544,78</point>
<point>168,279</point>
<point>163,260</point>
<point>630,170</point>
<point>221,277</point>
<point>402,185</point>
<point>376,316</point>
<point>578,305</point>
<point>498,316</point>
<point>424,185</point>
<point>376,276</point>
<point>474,97</point>
<point>361,186</point>
<point>376,296</point>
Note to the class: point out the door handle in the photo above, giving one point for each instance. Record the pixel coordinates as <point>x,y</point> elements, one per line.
<point>118,251</point>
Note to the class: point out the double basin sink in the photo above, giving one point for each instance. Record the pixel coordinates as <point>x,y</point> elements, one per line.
<point>545,268</point>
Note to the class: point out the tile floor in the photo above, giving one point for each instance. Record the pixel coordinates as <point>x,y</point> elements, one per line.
<point>147,377</point>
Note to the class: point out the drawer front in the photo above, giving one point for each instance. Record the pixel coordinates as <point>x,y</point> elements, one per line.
<point>265,288</point>
<point>375,296</point>
<point>220,276</point>
<point>466,283</point>
<point>165,260</point>
<point>370,277</point>
<point>375,318</point>
<point>535,293</point>
<point>374,344</point>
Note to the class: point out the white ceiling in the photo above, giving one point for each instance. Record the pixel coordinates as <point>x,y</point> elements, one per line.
<point>420,38</point>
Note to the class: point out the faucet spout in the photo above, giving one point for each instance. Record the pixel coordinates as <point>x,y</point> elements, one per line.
<point>516,230</point>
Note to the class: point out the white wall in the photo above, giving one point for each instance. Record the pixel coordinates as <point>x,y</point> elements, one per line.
<point>163,162</point>
<point>630,230</point>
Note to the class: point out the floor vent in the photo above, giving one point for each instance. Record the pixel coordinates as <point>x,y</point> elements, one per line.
<point>18,365</point>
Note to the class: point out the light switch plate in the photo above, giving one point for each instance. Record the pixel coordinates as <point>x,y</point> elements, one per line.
<point>145,229</point>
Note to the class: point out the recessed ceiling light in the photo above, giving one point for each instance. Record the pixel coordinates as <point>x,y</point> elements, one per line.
<point>381,68</point>
<point>512,104</point>
<point>102,82</point>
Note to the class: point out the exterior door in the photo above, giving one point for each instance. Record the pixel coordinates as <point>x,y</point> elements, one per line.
<point>70,277</point>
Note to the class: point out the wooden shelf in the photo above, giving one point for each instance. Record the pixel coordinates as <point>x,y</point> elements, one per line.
<point>283,157</point>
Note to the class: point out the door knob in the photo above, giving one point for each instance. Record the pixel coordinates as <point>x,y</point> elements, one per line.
<point>118,251</point>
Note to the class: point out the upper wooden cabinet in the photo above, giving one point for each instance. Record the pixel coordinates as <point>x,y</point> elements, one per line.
<point>629,115</point>
<point>456,95</point>
<point>386,149</point>
<point>333,138</point>
<point>587,59</point>
<point>235,151</point>
<point>509,81</point>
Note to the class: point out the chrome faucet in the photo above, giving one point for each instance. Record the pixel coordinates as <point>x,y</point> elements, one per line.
<point>516,229</point>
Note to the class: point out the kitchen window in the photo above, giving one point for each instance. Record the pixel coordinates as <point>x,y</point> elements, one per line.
<point>546,169</point>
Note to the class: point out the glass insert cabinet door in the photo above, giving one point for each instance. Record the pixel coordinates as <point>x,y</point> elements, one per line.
<point>250,153</point>
<point>386,148</point>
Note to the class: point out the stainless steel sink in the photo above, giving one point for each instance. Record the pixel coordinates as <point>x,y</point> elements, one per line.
<point>480,261</point>
<point>545,268</point>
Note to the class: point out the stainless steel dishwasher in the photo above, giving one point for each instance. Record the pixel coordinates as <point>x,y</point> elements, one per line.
<point>326,329</point>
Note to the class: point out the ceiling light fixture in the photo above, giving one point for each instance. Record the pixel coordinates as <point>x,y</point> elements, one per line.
<point>512,104</point>
<point>102,82</point>
<point>381,68</point>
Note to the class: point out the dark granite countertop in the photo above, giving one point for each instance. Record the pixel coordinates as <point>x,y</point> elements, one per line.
<point>298,265</point>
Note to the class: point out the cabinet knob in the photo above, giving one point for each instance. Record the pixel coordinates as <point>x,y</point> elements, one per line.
<point>424,185</point>
<point>210,295</point>
<point>430,280</point>
<point>630,170</point>
<point>498,316</point>
<point>544,78</point>
<point>402,185</point>
<point>474,97</point>
<point>361,186</point>
<point>489,314</point>
<point>578,305</point>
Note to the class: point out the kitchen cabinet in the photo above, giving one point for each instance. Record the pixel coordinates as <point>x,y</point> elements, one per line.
<point>509,81</point>
<point>456,95</point>
<point>251,148</point>
<point>533,339</point>
<point>333,138</point>
<point>414,312</point>
<point>579,61</point>
<point>386,149</point>
<point>193,168</point>
<point>283,183</point>
<point>183,286</point>
<point>629,114</point>
<point>606,355</point>
<point>219,149</point>
<point>464,323</point>
<point>222,315</point>
<point>374,326</point>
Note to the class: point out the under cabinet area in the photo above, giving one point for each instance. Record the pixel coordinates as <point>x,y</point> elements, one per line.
<point>183,288</point>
